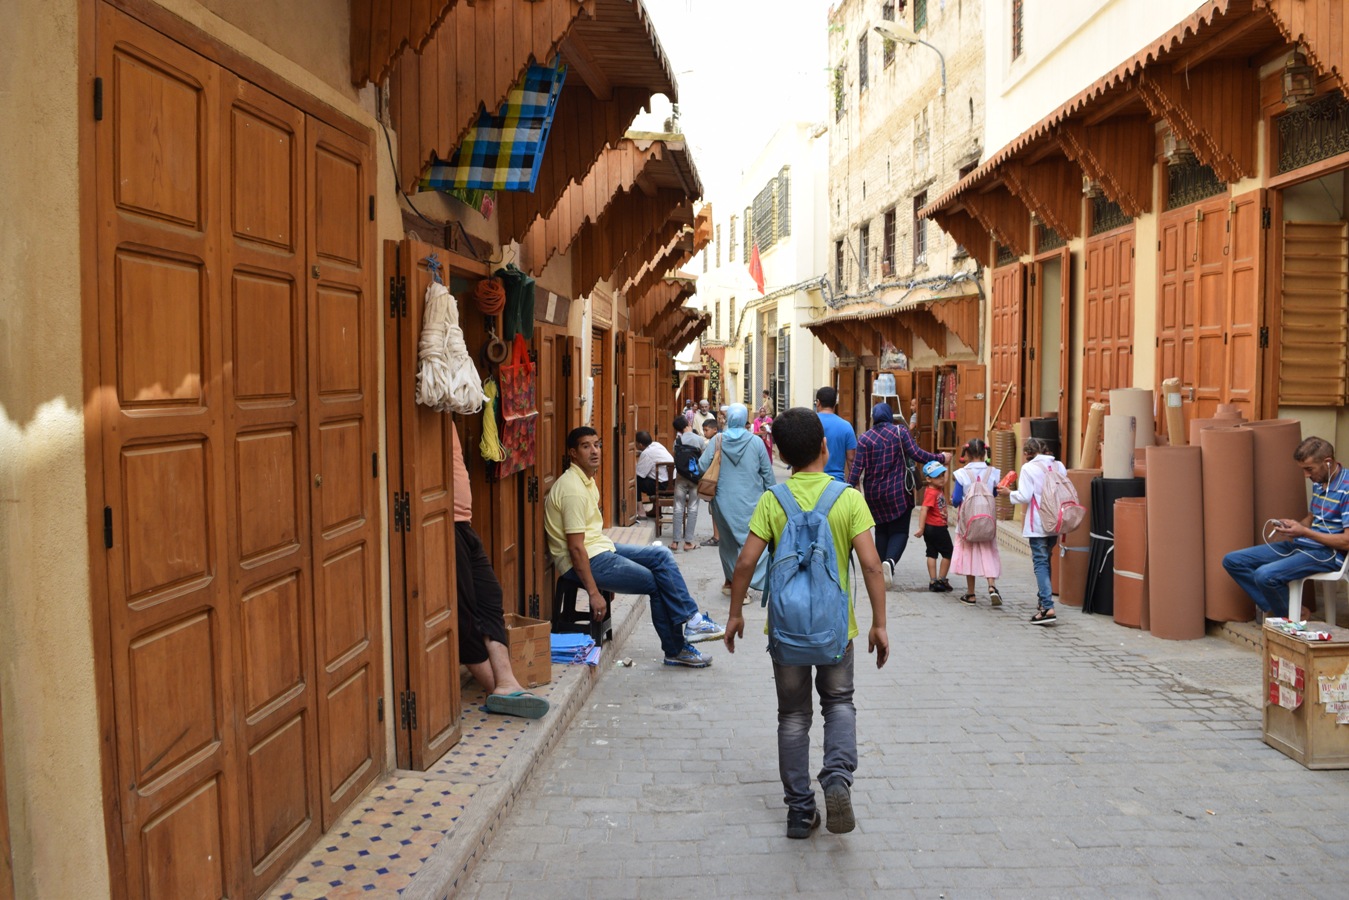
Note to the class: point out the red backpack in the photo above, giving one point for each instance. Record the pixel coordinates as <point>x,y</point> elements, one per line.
<point>1060,510</point>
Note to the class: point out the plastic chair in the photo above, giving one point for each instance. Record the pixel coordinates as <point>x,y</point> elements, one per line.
<point>664,495</point>
<point>1295,591</point>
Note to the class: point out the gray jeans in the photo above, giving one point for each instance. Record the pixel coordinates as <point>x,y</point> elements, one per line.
<point>685,509</point>
<point>795,707</point>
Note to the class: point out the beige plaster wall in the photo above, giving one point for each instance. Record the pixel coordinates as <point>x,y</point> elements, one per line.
<point>315,34</point>
<point>51,752</point>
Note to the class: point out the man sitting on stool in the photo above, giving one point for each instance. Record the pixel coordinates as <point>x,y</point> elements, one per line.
<point>1316,544</point>
<point>650,476</point>
<point>576,540</point>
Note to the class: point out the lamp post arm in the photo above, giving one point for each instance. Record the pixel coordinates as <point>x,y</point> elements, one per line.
<point>941,56</point>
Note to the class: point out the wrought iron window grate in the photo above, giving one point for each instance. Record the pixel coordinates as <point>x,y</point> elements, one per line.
<point>1312,132</point>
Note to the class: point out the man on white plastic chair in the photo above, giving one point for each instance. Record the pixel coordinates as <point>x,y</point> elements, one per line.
<point>1315,544</point>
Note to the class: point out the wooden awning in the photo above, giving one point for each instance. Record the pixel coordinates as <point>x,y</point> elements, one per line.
<point>381,30</point>
<point>480,49</point>
<point>1195,77</point>
<point>643,311</point>
<point>861,333</point>
<point>599,248</point>
<point>687,241</point>
<point>682,329</point>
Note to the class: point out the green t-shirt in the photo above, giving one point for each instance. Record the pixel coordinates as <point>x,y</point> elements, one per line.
<point>848,518</point>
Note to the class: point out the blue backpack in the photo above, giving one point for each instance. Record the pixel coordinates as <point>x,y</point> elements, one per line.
<point>807,606</point>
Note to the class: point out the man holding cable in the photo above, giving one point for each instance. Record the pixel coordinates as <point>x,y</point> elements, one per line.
<point>1315,544</point>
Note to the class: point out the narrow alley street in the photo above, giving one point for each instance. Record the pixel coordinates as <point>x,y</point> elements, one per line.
<point>997,759</point>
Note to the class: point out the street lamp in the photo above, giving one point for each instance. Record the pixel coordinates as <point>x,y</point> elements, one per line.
<point>901,35</point>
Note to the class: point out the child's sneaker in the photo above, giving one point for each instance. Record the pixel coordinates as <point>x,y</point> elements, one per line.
<point>690,658</point>
<point>801,823</point>
<point>934,586</point>
<point>702,629</point>
<point>945,585</point>
<point>838,804</point>
<point>888,571</point>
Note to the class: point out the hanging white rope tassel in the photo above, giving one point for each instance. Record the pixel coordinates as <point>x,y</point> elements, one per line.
<point>447,379</point>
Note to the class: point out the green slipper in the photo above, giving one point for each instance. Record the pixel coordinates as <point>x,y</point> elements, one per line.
<point>520,703</point>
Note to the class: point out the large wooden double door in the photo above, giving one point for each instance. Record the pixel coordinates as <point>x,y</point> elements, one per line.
<point>232,412</point>
<point>1108,316</point>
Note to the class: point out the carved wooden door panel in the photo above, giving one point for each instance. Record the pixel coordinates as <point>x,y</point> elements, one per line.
<point>970,379</point>
<point>1107,344</point>
<point>6,863</point>
<point>644,383</point>
<point>845,380</point>
<point>665,394</point>
<point>1246,237</point>
<point>422,541</point>
<point>627,427</point>
<point>1004,351</point>
<point>550,343</point>
<point>1211,306</point>
<point>163,435</point>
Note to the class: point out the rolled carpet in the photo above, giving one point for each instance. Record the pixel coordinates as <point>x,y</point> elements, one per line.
<point>1131,561</point>
<point>1227,453</point>
<point>1280,488</point>
<point>1175,516</point>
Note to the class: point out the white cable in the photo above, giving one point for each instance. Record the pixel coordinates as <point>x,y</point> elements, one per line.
<point>446,379</point>
<point>1267,531</point>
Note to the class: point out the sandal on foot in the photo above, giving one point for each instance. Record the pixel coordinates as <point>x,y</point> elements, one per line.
<point>994,598</point>
<point>968,599</point>
<point>1043,617</point>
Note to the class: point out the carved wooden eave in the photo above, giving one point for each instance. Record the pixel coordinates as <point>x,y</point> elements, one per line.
<point>1118,154</point>
<point>381,30</point>
<point>662,320</point>
<point>1322,28</point>
<point>1004,216</point>
<point>656,246</point>
<point>960,315</point>
<point>615,172</point>
<point>600,247</point>
<point>959,224</point>
<point>682,328</point>
<point>1214,108</point>
<point>480,49</point>
<point>642,310</point>
<point>1051,189</point>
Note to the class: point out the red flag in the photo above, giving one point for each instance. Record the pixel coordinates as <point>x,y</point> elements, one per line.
<point>756,268</point>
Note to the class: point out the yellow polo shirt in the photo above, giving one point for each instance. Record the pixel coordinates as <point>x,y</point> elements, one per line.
<point>573,507</point>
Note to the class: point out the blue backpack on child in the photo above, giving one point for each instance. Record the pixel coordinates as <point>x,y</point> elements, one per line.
<point>807,606</point>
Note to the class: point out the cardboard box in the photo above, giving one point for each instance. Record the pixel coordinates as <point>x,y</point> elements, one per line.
<point>531,649</point>
<point>1304,682</point>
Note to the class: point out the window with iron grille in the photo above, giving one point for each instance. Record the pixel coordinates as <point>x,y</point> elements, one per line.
<point>838,265</point>
<point>707,260</point>
<point>748,237</point>
<point>1106,215</point>
<point>919,15</point>
<point>730,324</point>
<point>716,323</point>
<point>888,248</point>
<point>840,93</point>
<point>730,248</point>
<point>718,246</point>
<point>862,63</point>
<point>887,45</point>
<point>772,212</point>
<point>749,371</point>
<point>1018,20</point>
<point>783,391</point>
<point>864,243</point>
<point>919,231</point>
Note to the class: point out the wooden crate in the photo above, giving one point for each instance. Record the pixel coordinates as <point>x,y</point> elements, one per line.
<point>1308,733</point>
<point>531,649</point>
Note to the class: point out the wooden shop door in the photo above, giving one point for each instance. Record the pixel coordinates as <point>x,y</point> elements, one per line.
<point>970,380</point>
<point>1108,324</point>
<point>1005,344</point>
<point>845,382</point>
<point>235,404</point>
<point>554,387</point>
<point>644,382</point>
<point>422,587</point>
<point>626,463</point>
<point>6,859</point>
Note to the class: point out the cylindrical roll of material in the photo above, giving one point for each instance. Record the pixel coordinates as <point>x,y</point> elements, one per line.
<point>1131,561</point>
<point>1138,403</point>
<point>1176,549</point>
<point>1228,455</point>
<point>1228,411</point>
<point>1090,456</point>
<point>1198,425</point>
<point>1100,594</point>
<point>1118,455</point>
<point>1004,459</point>
<point>1280,488</point>
<point>1175,417</point>
<point>1075,548</point>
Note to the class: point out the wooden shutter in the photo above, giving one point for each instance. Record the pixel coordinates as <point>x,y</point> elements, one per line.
<point>1244,254</point>
<point>423,588</point>
<point>845,377</point>
<point>970,382</point>
<point>1314,321</point>
<point>1005,343</point>
<point>550,342</point>
<point>6,858</point>
<point>1108,327</point>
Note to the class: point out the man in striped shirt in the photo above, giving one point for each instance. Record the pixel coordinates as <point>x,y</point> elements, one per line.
<point>1315,544</point>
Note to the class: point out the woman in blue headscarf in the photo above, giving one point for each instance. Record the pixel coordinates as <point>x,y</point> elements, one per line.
<point>880,465</point>
<point>746,472</point>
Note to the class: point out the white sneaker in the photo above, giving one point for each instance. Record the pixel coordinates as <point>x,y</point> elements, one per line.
<point>888,570</point>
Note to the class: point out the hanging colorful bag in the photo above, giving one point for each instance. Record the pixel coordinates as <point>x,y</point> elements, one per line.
<point>517,382</point>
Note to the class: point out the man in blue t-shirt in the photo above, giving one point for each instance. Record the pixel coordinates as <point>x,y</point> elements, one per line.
<point>1315,544</point>
<point>838,434</point>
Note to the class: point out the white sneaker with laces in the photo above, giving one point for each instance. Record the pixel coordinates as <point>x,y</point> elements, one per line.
<point>702,629</point>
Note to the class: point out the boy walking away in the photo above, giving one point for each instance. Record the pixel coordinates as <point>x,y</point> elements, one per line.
<point>932,528</point>
<point>802,443</point>
<point>688,447</point>
<point>976,535</point>
<point>1030,488</point>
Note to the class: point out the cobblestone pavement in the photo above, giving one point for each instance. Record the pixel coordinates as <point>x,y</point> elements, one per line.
<point>998,759</point>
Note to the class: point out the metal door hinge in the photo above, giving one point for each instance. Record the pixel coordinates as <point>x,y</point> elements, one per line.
<point>107,527</point>
<point>372,207</point>
<point>407,702</point>
<point>532,489</point>
<point>1264,217</point>
<point>1032,279</point>
<point>1264,338</point>
<point>532,606</point>
<point>407,512</point>
<point>98,99</point>
<point>566,364</point>
<point>374,465</point>
<point>402,515</point>
<point>379,709</point>
<point>398,296</point>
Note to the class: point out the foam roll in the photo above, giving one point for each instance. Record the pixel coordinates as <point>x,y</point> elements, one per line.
<point>1229,513</point>
<point>1118,456</point>
<point>1175,418</point>
<point>1175,516</point>
<point>1198,425</point>
<point>1075,547</point>
<point>1280,488</point>
<point>1138,403</point>
<point>1131,561</point>
<point>1095,416</point>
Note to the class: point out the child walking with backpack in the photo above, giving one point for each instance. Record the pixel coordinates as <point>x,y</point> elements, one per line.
<point>976,535</point>
<point>688,447</point>
<point>1050,513</point>
<point>814,524</point>
<point>933,528</point>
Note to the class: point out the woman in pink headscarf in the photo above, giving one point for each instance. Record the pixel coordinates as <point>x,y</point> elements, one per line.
<point>763,427</point>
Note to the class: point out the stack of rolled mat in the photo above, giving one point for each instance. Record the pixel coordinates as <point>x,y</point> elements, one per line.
<point>1228,457</point>
<point>1100,595</point>
<point>1136,402</point>
<point>1004,459</point>
<point>1176,551</point>
<point>1076,545</point>
<point>1131,562</point>
<point>1280,489</point>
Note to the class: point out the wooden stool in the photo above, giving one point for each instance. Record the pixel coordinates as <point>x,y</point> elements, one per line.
<point>567,619</point>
